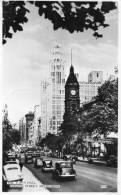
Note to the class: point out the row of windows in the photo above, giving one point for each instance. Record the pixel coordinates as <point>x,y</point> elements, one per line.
<point>58,80</point>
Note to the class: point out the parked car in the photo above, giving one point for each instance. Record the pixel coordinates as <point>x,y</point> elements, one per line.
<point>38,162</point>
<point>10,157</point>
<point>47,165</point>
<point>12,175</point>
<point>28,159</point>
<point>112,161</point>
<point>64,169</point>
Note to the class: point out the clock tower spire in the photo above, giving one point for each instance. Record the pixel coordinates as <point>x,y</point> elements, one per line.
<point>72,100</point>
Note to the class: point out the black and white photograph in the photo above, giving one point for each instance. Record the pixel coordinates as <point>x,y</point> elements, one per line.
<point>60,67</point>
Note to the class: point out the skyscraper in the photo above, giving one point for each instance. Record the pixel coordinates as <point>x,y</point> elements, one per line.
<point>89,90</point>
<point>45,108</point>
<point>95,77</point>
<point>57,82</point>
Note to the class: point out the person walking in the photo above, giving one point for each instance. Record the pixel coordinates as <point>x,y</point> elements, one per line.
<point>21,164</point>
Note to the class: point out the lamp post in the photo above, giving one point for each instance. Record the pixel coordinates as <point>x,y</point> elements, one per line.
<point>78,130</point>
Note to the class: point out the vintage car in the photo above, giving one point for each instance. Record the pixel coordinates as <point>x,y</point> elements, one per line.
<point>12,176</point>
<point>64,169</point>
<point>10,157</point>
<point>36,154</point>
<point>38,162</point>
<point>47,165</point>
<point>28,158</point>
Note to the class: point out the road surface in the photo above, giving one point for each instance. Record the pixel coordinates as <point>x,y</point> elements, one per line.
<point>90,178</point>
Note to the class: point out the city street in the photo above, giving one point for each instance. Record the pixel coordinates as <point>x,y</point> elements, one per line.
<point>90,178</point>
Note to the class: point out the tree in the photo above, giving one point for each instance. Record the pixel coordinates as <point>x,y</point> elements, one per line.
<point>70,15</point>
<point>16,136</point>
<point>102,116</point>
<point>6,133</point>
<point>53,141</point>
<point>10,136</point>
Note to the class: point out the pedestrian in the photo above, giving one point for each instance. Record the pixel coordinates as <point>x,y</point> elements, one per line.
<point>21,164</point>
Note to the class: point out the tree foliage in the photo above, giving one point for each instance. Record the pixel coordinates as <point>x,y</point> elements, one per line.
<point>102,116</point>
<point>69,15</point>
<point>10,136</point>
<point>53,141</point>
<point>14,15</point>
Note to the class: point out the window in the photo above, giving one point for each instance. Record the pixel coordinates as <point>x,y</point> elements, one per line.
<point>53,117</point>
<point>58,77</point>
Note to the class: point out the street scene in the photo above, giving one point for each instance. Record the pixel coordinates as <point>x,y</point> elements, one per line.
<point>89,177</point>
<point>60,96</point>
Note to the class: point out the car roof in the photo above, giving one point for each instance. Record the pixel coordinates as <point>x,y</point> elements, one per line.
<point>62,162</point>
<point>47,160</point>
<point>10,166</point>
<point>11,162</point>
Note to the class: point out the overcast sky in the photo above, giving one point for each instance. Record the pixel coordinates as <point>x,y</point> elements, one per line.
<point>26,58</point>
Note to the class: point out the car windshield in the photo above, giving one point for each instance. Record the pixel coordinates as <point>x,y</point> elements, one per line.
<point>48,162</point>
<point>65,165</point>
<point>12,168</point>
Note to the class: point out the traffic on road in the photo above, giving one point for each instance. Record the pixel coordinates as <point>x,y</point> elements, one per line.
<point>56,174</point>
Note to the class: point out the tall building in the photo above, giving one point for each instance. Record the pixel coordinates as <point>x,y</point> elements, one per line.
<point>29,120</point>
<point>36,127</point>
<point>22,129</point>
<point>88,90</point>
<point>57,82</point>
<point>95,77</point>
<point>72,99</point>
<point>45,108</point>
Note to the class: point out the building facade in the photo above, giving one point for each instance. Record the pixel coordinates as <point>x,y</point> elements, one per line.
<point>57,84</point>
<point>35,129</point>
<point>22,129</point>
<point>88,90</point>
<point>95,77</point>
<point>45,108</point>
<point>29,121</point>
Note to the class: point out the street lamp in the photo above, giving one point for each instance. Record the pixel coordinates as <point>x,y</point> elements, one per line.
<point>78,130</point>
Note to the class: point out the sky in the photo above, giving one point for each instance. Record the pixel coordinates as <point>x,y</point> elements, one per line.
<point>26,59</point>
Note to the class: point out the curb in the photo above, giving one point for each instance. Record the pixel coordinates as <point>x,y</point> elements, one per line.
<point>94,162</point>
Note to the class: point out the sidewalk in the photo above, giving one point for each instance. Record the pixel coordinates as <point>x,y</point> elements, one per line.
<point>31,183</point>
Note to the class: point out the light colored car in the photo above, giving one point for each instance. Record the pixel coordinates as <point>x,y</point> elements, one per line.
<point>12,175</point>
<point>47,165</point>
<point>38,162</point>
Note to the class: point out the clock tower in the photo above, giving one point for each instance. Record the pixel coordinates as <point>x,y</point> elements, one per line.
<point>72,100</point>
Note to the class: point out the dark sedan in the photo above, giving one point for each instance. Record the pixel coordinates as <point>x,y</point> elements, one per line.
<point>64,169</point>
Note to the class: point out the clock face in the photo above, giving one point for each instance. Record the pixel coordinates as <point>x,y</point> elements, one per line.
<point>73,92</point>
